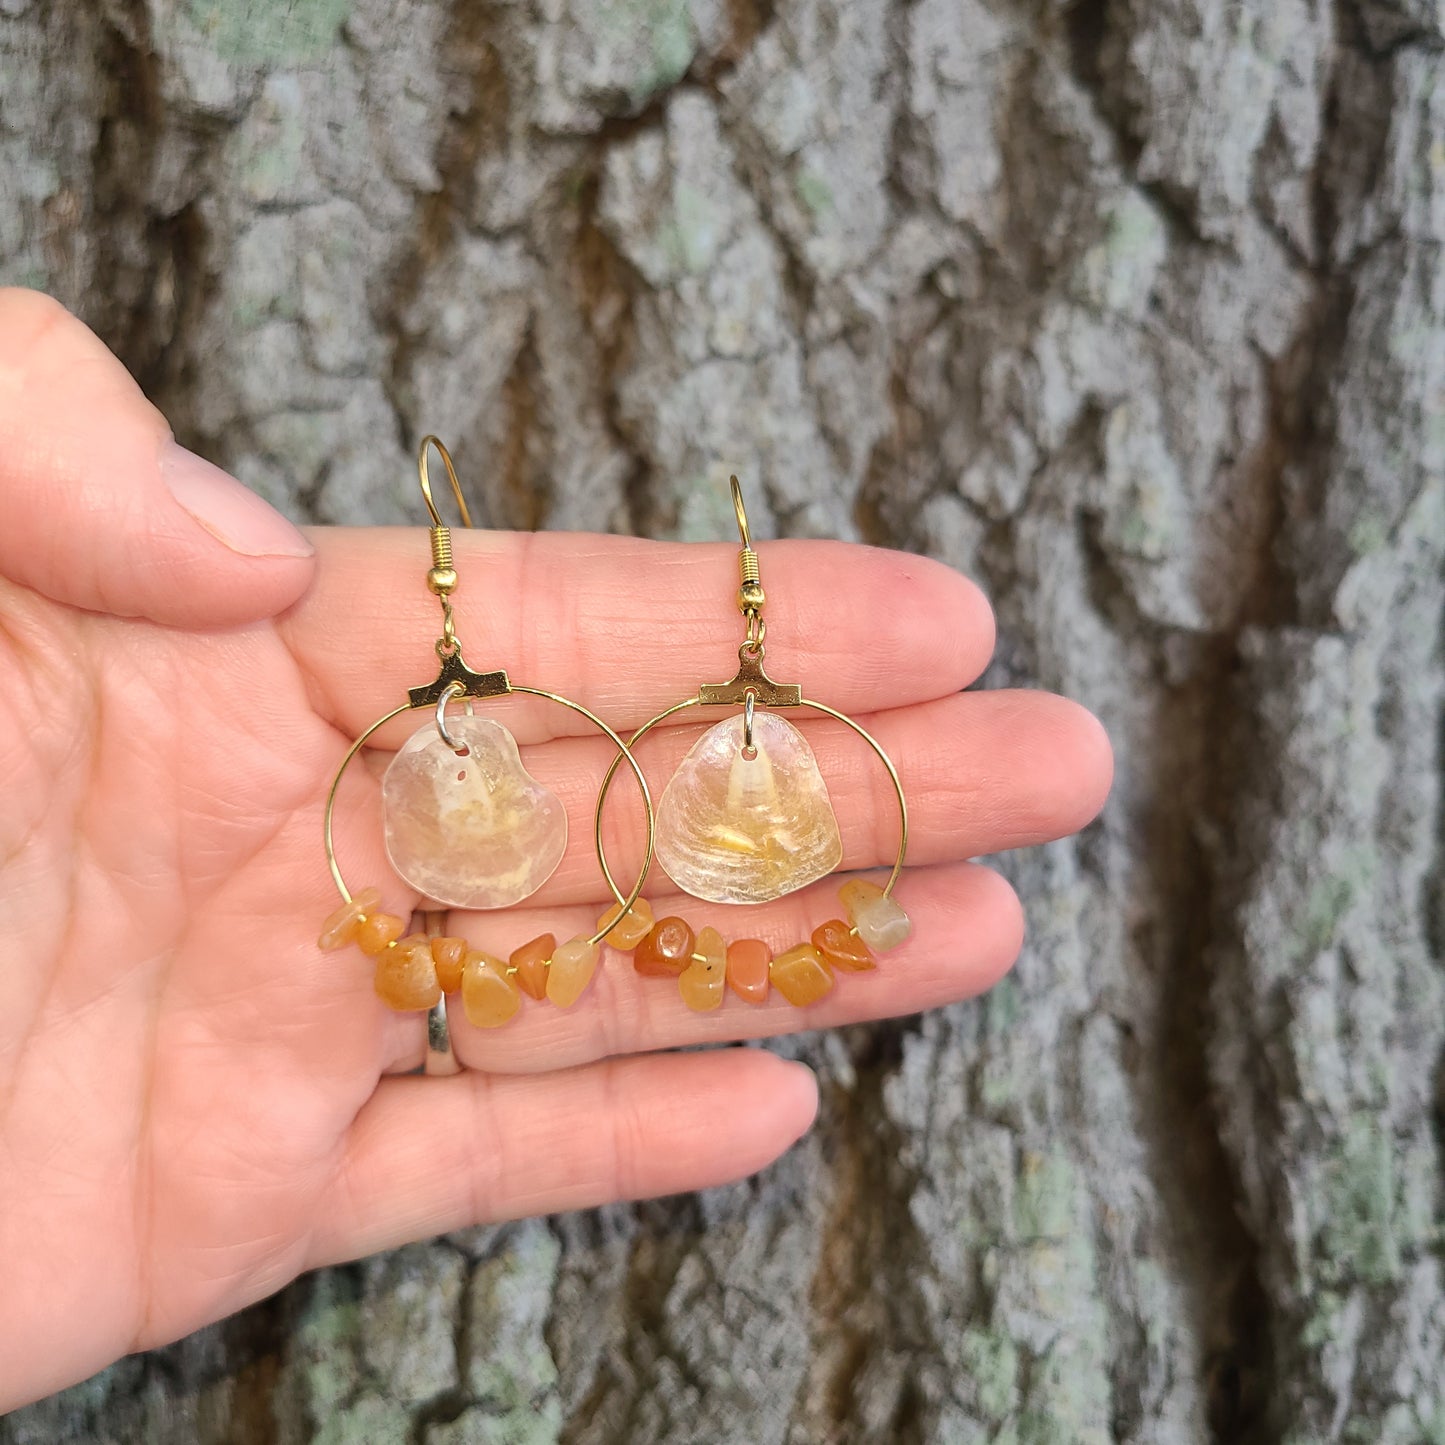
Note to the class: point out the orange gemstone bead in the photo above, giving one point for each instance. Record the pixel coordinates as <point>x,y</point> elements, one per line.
<point>747,969</point>
<point>842,947</point>
<point>627,932</point>
<point>801,975</point>
<point>490,994</point>
<point>572,968</point>
<point>530,961</point>
<point>377,930</point>
<point>666,951</point>
<point>701,983</point>
<point>340,927</point>
<point>406,977</point>
<point>449,954</point>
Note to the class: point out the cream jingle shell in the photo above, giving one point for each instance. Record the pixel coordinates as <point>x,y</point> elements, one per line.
<point>472,832</point>
<point>732,829</point>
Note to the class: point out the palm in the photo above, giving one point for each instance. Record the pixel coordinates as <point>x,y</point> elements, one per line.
<point>193,1100</point>
<point>165,846</point>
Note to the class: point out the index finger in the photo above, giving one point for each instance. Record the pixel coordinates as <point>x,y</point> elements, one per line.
<point>629,627</point>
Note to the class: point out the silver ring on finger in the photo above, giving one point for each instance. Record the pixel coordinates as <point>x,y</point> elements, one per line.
<point>440,1060</point>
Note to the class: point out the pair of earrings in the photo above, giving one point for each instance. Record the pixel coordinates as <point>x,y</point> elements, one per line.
<point>745,819</point>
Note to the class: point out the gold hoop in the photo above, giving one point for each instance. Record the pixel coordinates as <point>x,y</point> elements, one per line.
<point>624,752</point>
<point>700,702</point>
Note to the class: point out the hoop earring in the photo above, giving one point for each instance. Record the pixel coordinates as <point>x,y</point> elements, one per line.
<point>466,825</point>
<point>746,819</point>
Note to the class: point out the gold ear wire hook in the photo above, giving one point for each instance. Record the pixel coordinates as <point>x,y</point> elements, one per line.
<point>750,595</point>
<point>427,442</point>
<point>442,579</point>
<point>743,530</point>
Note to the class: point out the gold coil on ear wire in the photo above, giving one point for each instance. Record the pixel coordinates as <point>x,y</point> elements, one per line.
<point>443,575</point>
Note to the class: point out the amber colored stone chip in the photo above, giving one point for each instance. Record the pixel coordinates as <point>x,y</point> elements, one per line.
<point>530,962</point>
<point>449,954</point>
<point>801,975</point>
<point>377,930</point>
<point>490,994</point>
<point>666,951</point>
<point>340,927</point>
<point>406,976</point>
<point>625,933</point>
<point>572,968</point>
<point>878,919</point>
<point>747,969</point>
<point>842,947</point>
<point>702,982</point>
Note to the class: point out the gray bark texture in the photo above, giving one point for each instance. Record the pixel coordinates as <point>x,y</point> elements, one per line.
<point>1132,309</point>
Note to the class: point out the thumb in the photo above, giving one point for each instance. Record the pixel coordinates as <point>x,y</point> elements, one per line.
<point>101,509</point>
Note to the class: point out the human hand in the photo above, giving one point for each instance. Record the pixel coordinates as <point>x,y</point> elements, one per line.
<point>195,1104</point>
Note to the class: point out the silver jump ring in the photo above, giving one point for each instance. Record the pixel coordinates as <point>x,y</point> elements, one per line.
<point>451,690</point>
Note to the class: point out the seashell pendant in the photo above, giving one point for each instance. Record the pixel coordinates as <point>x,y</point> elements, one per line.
<point>473,831</point>
<point>733,829</point>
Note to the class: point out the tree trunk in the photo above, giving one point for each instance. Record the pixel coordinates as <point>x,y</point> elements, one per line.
<point>1134,310</point>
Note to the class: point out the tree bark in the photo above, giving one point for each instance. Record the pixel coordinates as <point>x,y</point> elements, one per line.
<point>1134,310</point>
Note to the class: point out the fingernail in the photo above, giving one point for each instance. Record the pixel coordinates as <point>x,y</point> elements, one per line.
<point>230,511</point>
